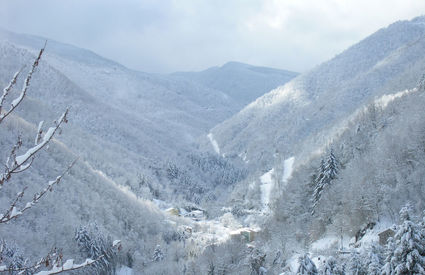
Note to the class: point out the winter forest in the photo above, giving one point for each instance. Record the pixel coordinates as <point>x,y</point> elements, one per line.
<point>236,169</point>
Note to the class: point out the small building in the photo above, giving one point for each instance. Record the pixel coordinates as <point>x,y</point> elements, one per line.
<point>385,235</point>
<point>249,235</point>
<point>246,235</point>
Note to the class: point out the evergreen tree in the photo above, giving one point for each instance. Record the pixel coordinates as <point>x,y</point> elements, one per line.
<point>355,265</point>
<point>374,261</point>
<point>306,267</point>
<point>94,244</point>
<point>406,252</point>
<point>327,172</point>
<point>331,167</point>
<point>11,257</point>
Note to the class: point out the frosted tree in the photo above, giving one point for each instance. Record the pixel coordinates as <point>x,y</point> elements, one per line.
<point>406,251</point>
<point>306,266</point>
<point>373,261</point>
<point>327,172</point>
<point>94,243</point>
<point>331,267</point>
<point>11,256</point>
<point>158,255</point>
<point>257,261</point>
<point>355,265</point>
<point>211,268</point>
<point>319,182</point>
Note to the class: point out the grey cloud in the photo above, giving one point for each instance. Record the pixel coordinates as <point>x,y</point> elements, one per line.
<point>171,35</point>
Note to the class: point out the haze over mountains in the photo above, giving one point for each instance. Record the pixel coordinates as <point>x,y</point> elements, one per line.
<point>246,82</point>
<point>224,149</point>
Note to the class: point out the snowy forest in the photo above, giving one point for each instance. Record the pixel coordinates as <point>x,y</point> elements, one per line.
<point>237,169</point>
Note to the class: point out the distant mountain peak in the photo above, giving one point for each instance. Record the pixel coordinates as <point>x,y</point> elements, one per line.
<point>235,64</point>
<point>240,81</point>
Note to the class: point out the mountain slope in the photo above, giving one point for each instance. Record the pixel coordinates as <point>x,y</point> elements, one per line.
<point>242,82</point>
<point>380,151</point>
<point>148,96</point>
<point>125,123</point>
<point>388,61</point>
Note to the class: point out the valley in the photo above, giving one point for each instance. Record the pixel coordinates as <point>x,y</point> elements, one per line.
<point>236,169</point>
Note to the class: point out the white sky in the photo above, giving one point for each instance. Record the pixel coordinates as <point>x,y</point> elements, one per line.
<point>186,35</point>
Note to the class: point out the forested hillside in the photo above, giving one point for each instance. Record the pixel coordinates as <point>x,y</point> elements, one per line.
<point>211,172</point>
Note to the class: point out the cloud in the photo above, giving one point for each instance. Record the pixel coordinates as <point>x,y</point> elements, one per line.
<point>171,35</point>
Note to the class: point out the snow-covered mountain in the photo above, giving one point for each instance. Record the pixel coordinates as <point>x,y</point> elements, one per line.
<point>380,156</point>
<point>318,165</point>
<point>334,155</point>
<point>149,119</point>
<point>390,60</point>
<point>242,82</point>
<point>135,135</point>
<point>156,102</point>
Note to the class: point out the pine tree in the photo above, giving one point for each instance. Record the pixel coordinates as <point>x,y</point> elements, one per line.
<point>327,172</point>
<point>331,167</point>
<point>306,267</point>
<point>94,244</point>
<point>406,252</point>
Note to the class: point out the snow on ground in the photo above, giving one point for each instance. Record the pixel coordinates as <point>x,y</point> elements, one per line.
<point>384,100</point>
<point>268,182</point>
<point>293,263</point>
<point>266,187</point>
<point>162,204</point>
<point>372,236</point>
<point>288,167</point>
<point>214,143</point>
<point>325,243</point>
<point>208,232</point>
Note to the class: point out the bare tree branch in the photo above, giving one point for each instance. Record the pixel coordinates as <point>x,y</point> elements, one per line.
<point>8,88</point>
<point>13,212</point>
<point>16,164</point>
<point>55,260</point>
<point>21,96</point>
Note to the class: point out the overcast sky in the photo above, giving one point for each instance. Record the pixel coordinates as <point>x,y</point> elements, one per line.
<point>186,35</point>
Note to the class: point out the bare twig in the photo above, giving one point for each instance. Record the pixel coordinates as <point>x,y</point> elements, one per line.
<point>54,260</point>
<point>16,164</point>
<point>21,96</point>
<point>8,88</point>
<point>13,212</point>
<point>69,266</point>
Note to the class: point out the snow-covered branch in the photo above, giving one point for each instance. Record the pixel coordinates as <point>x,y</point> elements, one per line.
<point>14,212</point>
<point>8,88</point>
<point>54,261</point>
<point>21,96</point>
<point>17,164</point>
<point>68,266</point>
